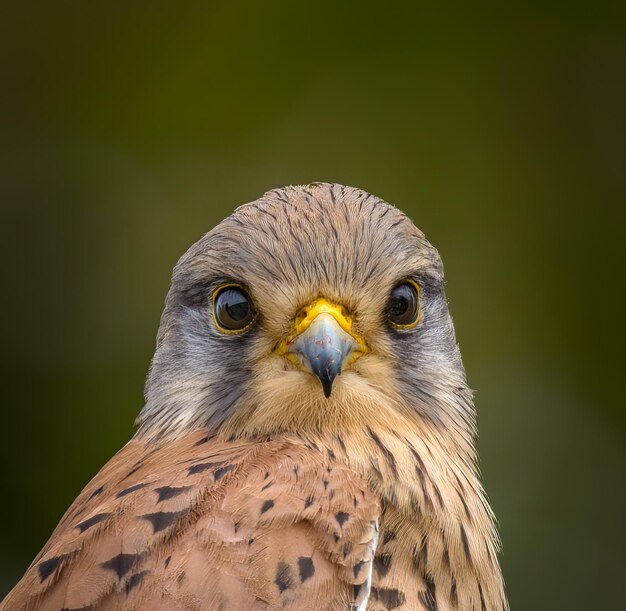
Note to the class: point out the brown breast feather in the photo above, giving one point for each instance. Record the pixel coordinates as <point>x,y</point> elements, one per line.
<point>198,523</point>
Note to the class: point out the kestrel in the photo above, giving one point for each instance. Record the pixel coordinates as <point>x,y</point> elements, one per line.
<point>307,440</point>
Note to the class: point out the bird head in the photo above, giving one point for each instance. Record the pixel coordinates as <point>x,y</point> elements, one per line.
<point>313,308</point>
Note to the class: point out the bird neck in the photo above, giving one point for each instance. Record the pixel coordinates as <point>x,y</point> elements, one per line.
<point>423,470</point>
<point>434,511</point>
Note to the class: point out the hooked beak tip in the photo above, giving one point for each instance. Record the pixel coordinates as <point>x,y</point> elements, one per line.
<point>327,386</point>
<point>327,380</point>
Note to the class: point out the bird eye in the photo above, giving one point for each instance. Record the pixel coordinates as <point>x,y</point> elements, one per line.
<point>232,309</point>
<point>403,309</point>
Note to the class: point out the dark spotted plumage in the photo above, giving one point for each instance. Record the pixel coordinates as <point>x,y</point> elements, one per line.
<point>161,520</point>
<point>131,489</point>
<point>382,563</point>
<point>284,579</point>
<point>390,598</point>
<point>121,564</point>
<point>267,505</point>
<point>92,521</point>
<point>306,568</point>
<point>203,540</point>
<point>45,568</point>
<point>169,492</point>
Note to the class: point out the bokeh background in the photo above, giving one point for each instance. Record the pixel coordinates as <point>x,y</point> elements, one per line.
<point>129,129</point>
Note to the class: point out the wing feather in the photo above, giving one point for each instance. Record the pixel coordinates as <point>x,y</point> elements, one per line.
<point>200,523</point>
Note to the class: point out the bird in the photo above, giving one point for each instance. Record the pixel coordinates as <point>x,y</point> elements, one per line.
<point>307,440</point>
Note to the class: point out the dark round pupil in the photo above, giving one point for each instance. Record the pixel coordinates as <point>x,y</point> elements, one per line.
<point>236,305</point>
<point>399,305</point>
<point>403,306</point>
<point>232,309</point>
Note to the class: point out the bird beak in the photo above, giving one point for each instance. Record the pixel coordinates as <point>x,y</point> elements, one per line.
<point>323,342</point>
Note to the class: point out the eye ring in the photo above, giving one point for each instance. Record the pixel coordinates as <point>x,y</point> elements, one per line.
<point>404,309</point>
<point>233,310</point>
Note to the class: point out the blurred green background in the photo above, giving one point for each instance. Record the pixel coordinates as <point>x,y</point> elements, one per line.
<point>129,129</point>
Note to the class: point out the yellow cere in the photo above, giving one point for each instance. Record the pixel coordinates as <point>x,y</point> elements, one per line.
<point>319,306</point>
<point>309,313</point>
